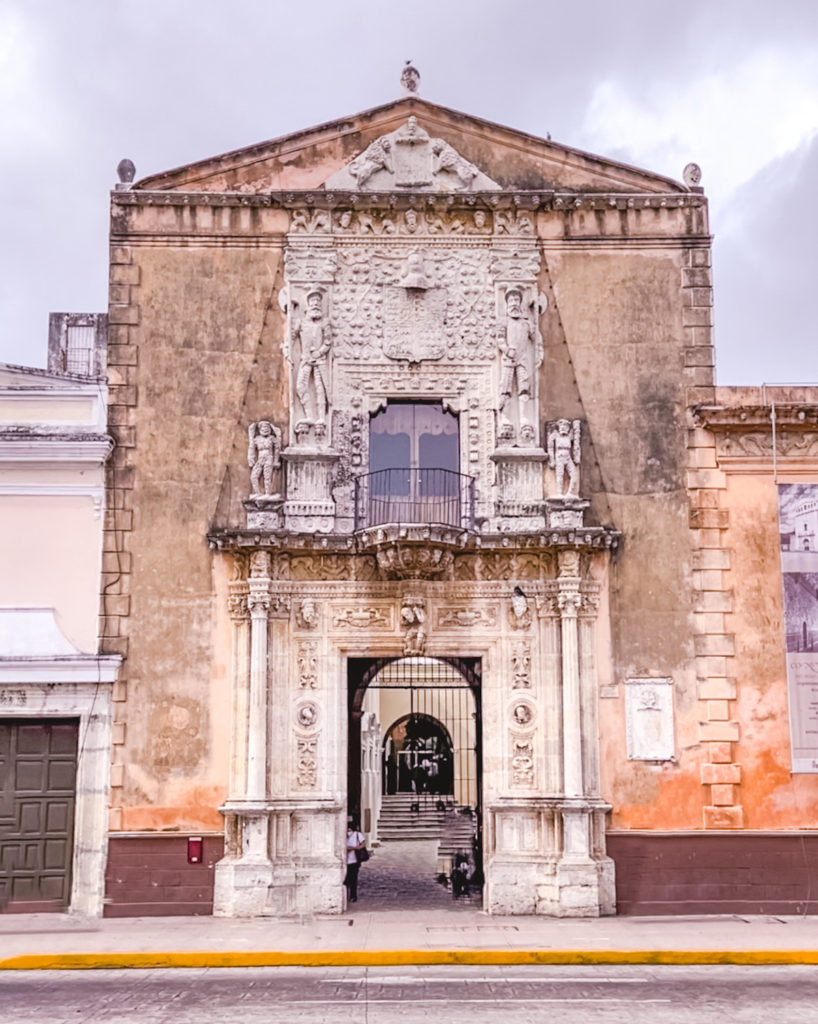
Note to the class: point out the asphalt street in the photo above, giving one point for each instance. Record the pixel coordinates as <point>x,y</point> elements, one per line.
<point>448,995</point>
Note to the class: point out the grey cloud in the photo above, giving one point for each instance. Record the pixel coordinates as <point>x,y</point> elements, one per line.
<point>766,269</point>
<point>166,82</point>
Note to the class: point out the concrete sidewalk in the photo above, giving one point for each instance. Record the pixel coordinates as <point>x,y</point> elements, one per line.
<point>383,938</point>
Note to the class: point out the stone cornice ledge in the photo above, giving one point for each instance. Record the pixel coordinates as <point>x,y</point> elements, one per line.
<point>55,446</point>
<point>745,435</point>
<point>71,668</point>
<point>591,537</point>
<point>361,199</point>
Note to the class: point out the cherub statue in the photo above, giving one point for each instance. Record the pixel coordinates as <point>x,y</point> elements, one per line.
<point>564,454</point>
<point>263,455</point>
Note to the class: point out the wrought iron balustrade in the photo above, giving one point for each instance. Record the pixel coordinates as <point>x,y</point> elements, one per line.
<point>414,496</point>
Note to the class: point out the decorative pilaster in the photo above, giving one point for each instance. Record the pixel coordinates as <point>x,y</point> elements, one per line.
<point>258,602</point>
<point>584,877</point>
<point>569,600</point>
<point>243,877</point>
<point>239,616</point>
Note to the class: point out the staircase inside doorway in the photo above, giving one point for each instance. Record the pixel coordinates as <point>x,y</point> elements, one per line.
<point>420,835</point>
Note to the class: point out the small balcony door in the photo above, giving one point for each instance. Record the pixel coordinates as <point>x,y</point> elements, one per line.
<point>414,463</point>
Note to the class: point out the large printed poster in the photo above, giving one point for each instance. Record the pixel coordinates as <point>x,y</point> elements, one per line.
<point>798,527</point>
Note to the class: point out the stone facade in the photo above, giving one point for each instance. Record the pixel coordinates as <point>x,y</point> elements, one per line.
<point>269,309</point>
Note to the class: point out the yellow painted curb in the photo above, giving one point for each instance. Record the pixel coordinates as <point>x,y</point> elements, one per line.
<point>402,957</point>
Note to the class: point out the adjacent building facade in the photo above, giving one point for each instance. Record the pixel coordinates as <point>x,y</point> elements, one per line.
<point>55,690</point>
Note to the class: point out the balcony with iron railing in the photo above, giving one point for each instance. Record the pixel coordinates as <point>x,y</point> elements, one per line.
<point>415,497</point>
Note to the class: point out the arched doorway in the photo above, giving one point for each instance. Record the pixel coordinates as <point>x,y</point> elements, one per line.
<point>418,757</point>
<point>414,772</point>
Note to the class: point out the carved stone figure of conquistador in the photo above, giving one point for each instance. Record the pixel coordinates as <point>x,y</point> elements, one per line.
<point>515,342</point>
<point>315,337</point>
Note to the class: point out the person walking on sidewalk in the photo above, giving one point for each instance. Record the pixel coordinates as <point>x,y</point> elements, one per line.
<point>355,842</point>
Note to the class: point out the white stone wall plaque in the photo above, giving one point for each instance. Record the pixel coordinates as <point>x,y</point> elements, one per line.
<point>649,719</point>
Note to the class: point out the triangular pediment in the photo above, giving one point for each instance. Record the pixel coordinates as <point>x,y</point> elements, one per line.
<point>452,145</point>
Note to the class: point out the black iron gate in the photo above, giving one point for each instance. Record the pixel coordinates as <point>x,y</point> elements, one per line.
<point>431,742</point>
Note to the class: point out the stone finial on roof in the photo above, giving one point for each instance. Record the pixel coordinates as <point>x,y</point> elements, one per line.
<point>410,78</point>
<point>692,175</point>
<point>125,171</point>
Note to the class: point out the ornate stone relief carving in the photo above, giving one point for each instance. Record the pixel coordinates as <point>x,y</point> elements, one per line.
<point>237,603</point>
<point>519,610</point>
<point>279,606</point>
<point>412,620</point>
<point>258,603</point>
<point>522,762</point>
<point>416,561</point>
<point>310,342</point>
<point>306,614</point>
<point>377,313</point>
<point>363,618</point>
<point>759,444</point>
<point>521,666</point>
<point>409,159</point>
<point>568,562</point>
<point>307,769</point>
<point>503,565</point>
<point>307,264</point>
<point>413,224</point>
<point>259,564</point>
<point>467,617</point>
<point>547,606</point>
<point>306,714</point>
<point>522,714</point>
<point>307,222</point>
<point>307,658</point>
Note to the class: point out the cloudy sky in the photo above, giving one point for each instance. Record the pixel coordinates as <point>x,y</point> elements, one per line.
<point>729,84</point>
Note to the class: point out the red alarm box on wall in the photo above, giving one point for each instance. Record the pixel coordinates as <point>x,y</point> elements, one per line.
<point>195,850</point>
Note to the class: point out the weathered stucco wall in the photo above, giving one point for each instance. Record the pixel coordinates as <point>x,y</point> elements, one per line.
<point>200,359</point>
<point>773,798</point>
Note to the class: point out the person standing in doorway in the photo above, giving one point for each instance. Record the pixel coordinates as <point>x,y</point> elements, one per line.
<point>355,842</point>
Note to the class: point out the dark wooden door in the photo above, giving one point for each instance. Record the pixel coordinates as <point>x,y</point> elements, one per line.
<point>38,769</point>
